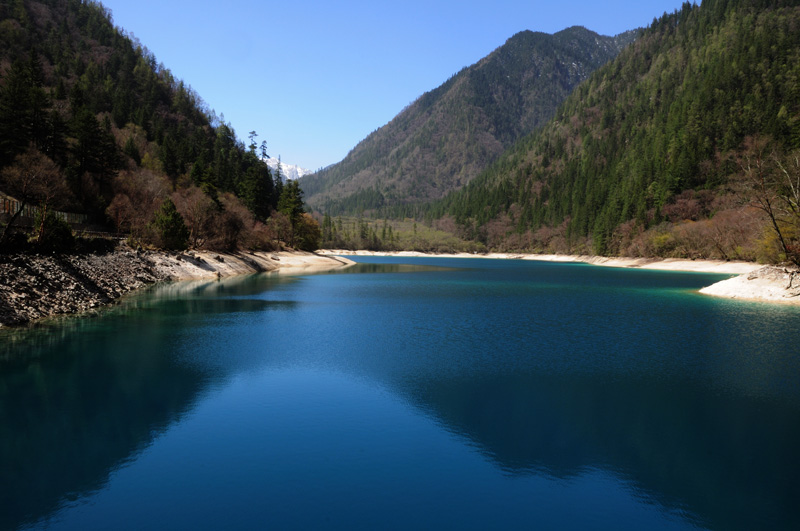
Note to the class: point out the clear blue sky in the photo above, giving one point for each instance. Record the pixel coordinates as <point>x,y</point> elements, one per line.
<point>315,78</point>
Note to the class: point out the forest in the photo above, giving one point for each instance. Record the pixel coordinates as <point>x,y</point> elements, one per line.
<point>685,145</point>
<point>96,135</point>
<point>679,140</point>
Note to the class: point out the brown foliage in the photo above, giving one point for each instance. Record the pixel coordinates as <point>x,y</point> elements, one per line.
<point>198,211</point>
<point>35,179</point>
<point>497,231</point>
<point>281,226</point>
<point>234,227</point>
<point>688,205</point>
<point>446,224</point>
<point>227,225</point>
<point>139,194</point>
<point>774,185</point>
<point>731,234</point>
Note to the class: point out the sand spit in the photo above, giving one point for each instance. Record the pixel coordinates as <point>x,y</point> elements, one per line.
<point>753,282</point>
<point>772,284</point>
<point>33,287</point>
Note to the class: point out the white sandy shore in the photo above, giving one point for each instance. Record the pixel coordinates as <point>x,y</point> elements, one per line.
<point>204,264</point>
<point>771,284</point>
<point>666,264</point>
<point>753,281</point>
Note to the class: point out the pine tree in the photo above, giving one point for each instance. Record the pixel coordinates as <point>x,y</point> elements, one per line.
<point>170,229</point>
<point>291,205</point>
<point>291,201</point>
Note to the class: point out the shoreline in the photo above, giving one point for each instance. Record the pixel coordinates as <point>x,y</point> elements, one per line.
<point>36,287</point>
<point>203,265</point>
<point>752,282</point>
<point>663,264</point>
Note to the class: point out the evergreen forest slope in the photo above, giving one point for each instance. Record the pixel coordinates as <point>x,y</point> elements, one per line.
<point>450,134</point>
<point>92,125</point>
<point>662,151</point>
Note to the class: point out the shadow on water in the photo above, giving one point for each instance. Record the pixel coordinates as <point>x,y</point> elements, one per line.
<point>82,396</point>
<point>71,405</point>
<point>673,451</point>
<point>85,396</point>
<point>387,268</point>
<point>696,405</point>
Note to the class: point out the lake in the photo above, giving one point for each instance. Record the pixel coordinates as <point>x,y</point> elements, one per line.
<point>408,393</point>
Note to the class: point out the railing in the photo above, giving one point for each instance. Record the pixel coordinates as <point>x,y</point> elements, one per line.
<point>9,206</point>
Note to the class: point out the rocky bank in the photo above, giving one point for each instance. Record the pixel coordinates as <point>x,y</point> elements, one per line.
<point>36,286</point>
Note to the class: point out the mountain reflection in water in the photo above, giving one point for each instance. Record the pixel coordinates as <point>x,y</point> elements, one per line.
<point>696,415</point>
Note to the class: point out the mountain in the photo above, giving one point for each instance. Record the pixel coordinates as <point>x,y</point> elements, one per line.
<point>93,125</point>
<point>287,171</point>
<point>660,151</point>
<point>450,134</point>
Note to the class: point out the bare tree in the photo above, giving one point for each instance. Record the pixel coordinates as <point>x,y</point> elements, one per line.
<point>139,194</point>
<point>775,186</point>
<point>122,212</point>
<point>198,209</point>
<point>34,179</point>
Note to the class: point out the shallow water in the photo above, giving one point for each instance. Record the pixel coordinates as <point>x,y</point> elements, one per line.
<point>408,392</point>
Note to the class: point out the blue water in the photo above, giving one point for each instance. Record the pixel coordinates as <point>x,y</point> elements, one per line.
<point>408,393</point>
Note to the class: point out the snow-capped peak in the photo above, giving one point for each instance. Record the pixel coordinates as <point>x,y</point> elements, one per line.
<point>288,171</point>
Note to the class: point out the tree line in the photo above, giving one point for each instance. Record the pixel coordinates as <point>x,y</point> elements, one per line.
<point>90,122</point>
<point>649,156</point>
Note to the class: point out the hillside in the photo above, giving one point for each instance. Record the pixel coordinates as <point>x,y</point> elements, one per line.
<point>450,134</point>
<point>661,151</point>
<point>93,126</point>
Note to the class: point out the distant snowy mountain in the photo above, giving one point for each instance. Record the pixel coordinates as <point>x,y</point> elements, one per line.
<point>288,171</point>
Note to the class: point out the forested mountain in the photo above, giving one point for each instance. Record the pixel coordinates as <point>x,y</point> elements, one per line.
<point>661,150</point>
<point>91,123</point>
<point>450,134</point>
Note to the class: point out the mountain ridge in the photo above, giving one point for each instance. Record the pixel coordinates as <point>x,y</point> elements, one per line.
<point>449,134</point>
<point>654,154</point>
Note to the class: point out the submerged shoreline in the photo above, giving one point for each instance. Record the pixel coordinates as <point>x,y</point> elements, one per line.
<point>34,287</point>
<point>753,282</point>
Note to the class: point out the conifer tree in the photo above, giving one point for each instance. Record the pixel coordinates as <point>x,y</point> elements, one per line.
<point>170,230</point>
<point>291,201</point>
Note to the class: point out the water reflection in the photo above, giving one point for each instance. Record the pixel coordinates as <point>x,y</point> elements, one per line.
<point>715,440</point>
<point>673,449</point>
<point>80,396</point>
<point>78,403</point>
<point>388,268</point>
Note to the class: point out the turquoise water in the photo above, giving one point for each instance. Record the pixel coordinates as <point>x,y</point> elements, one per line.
<point>408,393</point>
